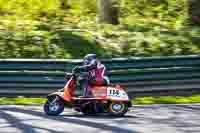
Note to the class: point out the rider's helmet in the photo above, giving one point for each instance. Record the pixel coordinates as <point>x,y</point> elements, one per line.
<point>88,58</point>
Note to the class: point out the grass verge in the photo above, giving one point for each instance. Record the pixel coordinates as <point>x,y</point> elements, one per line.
<point>22,101</point>
<point>137,100</point>
<point>167,100</point>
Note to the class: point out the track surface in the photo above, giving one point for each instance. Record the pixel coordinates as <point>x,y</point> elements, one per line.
<point>141,119</point>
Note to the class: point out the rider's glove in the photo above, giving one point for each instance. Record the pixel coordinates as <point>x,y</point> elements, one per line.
<point>76,69</point>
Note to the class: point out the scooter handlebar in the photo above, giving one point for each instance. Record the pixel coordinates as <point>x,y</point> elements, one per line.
<point>69,75</point>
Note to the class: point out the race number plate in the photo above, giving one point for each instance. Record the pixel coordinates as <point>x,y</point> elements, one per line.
<point>116,94</point>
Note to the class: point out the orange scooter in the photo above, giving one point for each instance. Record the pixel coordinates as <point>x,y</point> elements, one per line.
<point>111,99</point>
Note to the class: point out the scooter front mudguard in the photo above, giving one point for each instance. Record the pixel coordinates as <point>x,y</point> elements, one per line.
<point>59,94</point>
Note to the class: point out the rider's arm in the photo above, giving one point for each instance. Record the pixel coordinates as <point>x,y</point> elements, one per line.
<point>92,65</point>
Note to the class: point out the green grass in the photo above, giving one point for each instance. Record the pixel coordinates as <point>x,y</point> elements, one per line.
<point>167,100</point>
<point>137,100</point>
<point>22,101</point>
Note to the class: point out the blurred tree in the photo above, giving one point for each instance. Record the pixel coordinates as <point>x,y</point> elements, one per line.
<point>108,11</point>
<point>89,6</point>
<point>64,4</point>
<point>194,11</point>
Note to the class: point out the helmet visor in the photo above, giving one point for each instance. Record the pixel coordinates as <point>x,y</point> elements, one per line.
<point>86,62</point>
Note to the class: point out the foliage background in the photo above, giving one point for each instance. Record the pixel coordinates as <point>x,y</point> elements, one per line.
<point>46,29</point>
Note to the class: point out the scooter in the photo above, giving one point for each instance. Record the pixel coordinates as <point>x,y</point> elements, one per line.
<point>111,99</point>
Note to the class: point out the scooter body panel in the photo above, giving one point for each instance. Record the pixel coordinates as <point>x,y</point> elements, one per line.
<point>110,99</point>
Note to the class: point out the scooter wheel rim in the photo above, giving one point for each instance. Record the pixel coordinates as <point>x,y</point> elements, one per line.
<point>117,107</point>
<point>54,107</point>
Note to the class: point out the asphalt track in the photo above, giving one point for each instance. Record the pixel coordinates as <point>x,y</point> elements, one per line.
<point>141,119</point>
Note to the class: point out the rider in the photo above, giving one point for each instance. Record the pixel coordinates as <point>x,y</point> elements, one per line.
<point>96,75</point>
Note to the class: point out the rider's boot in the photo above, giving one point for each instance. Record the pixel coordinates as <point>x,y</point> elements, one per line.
<point>85,88</point>
<point>87,92</point>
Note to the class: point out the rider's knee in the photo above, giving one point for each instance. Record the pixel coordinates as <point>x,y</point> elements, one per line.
<point>106,80</point>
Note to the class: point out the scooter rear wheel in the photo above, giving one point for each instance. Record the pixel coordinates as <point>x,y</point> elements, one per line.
<point>117,108</point>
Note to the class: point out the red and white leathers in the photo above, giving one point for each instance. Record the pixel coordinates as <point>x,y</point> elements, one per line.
<point>97,75</point>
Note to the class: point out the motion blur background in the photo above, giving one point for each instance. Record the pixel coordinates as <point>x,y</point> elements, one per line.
<point>73,28</point>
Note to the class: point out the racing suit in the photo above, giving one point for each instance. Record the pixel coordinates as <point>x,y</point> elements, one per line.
<point>96,76</point>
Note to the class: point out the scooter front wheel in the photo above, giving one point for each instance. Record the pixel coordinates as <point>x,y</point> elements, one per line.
<point>54,107</point>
